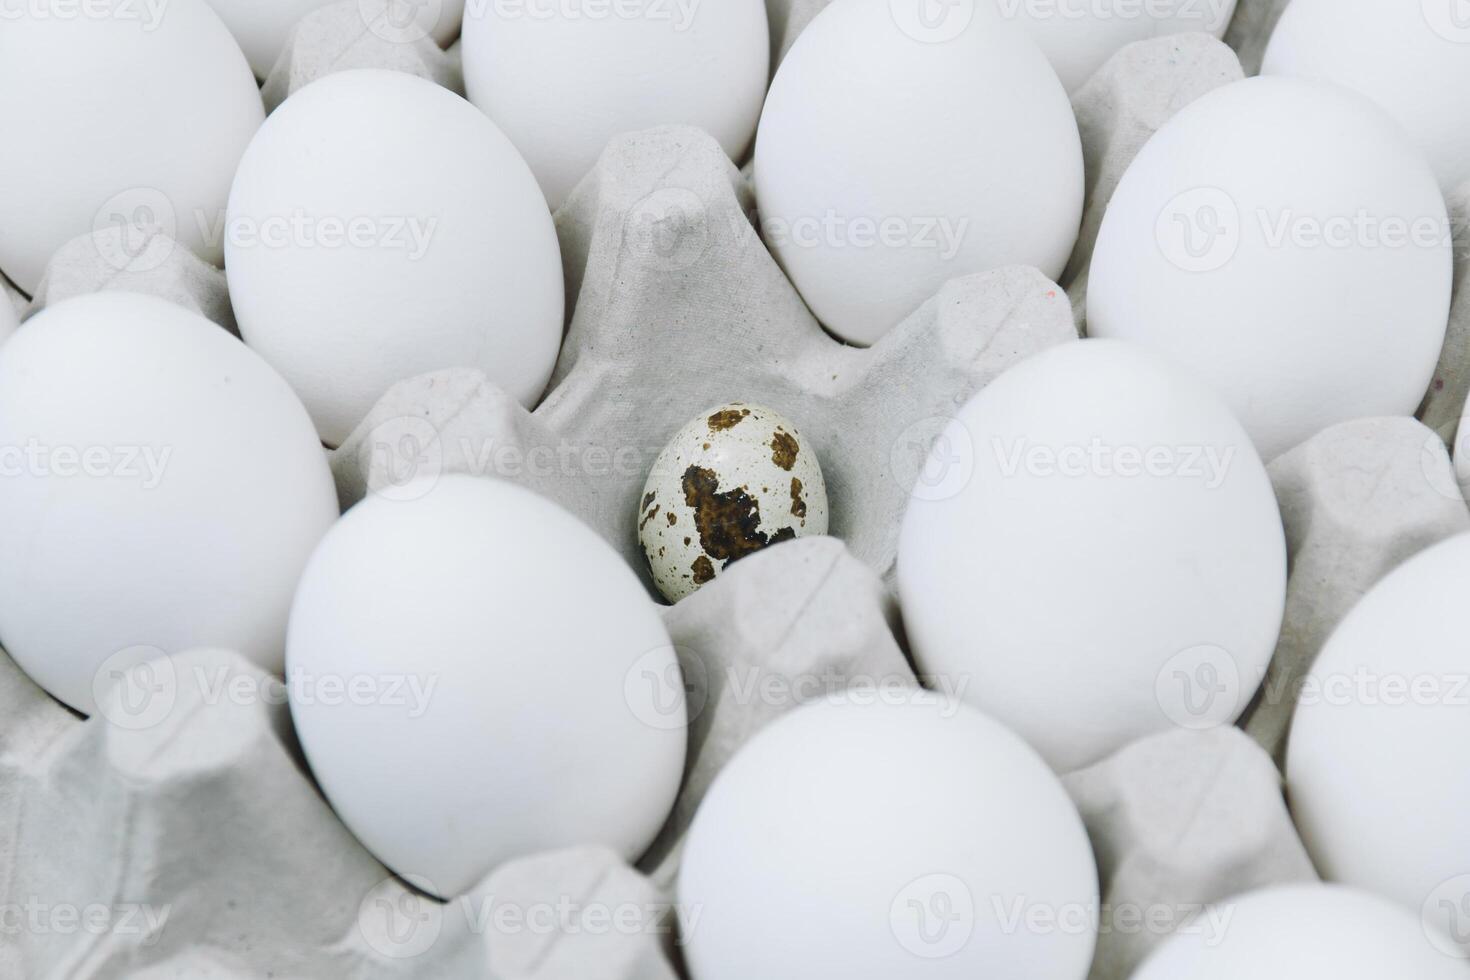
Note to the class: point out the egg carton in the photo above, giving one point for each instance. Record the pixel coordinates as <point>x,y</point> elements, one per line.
<point>1184,820</point>
<point>211,814</point>
<point>1119,109</point>
<point>1180,822</point>
<point>793,624</point>
<point>11,305</point>
<point>180,836</point>
<point>10,294</point>
<point>680,309</point>
<point>184,811</point>
<point>357,34</point>
<point>1357,500</point>
<point>1250,30</point>
<point>1447,395</point>
<point>135,260</point>
<point>188,822</point>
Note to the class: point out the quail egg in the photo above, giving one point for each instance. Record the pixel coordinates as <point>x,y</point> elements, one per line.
<point>733,481</point>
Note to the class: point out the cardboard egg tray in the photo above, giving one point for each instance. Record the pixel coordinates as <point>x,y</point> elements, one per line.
<point>190,841</point>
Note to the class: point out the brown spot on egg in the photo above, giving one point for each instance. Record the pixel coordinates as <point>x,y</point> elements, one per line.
<point>728,523</point>
<point>726,419</point>
<point>798,505</point>
<point>648,500</point>
<point>686,542</point>
<point>784,450</point>
<point>673,518</point>
<point>648,556</point>
<point>648,517</point>
<point>704,570</point>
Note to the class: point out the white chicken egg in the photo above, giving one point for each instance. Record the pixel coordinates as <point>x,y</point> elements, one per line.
<point>1105,558</point>
<point>904,145</point>
<point>1078,36</point>
<point>133,114</point>
<point>735,480</point>
<point>871,839</point>
<point>261,26</point>
<point>1413,59</point>
<point>1285,240</point>
<point>1306,932</point>
<point>562,79</point>
<point>518,692</point>
<point>1379,723</point>
<point>162,487</point>
<point>357,261</point>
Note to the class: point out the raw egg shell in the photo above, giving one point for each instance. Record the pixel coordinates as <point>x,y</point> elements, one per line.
<point>135,118</point>
<point>1308,932</point>
<point>531,643</point>
<point>1106,543</point>
<point>1285,240</point>
<point>735,480</point>
<point>1079,36</point>
<point>894,156</point>
<point>429,250</point>
<point>262,26</point>
<point>563,79</point>
<point>163,488</point>
<point>1413,59</point>
<point>1377,732</point>
<point>891,832</point>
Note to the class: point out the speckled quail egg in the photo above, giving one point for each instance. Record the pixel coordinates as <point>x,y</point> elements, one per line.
<point>733,481</point>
